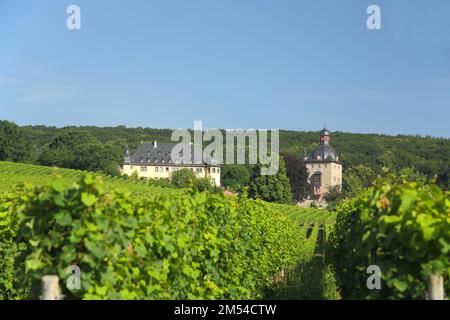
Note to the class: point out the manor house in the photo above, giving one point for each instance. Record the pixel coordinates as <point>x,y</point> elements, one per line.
<point>153,160</point>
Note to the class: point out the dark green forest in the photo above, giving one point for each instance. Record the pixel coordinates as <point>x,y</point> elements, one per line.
<point>101,148</point>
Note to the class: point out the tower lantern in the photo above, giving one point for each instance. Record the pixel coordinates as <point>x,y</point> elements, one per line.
<point>324,136</point>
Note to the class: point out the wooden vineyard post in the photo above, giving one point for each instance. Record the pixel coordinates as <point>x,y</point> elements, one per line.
<point>435,287</point>
<point>50,288</point>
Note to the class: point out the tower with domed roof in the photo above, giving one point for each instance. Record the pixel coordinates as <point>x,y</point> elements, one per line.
<point>324,167</point>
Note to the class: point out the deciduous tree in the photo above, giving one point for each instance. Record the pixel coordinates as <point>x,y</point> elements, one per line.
<point>272,188</point>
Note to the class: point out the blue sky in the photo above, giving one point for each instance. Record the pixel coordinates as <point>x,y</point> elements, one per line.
<point>286,64</point>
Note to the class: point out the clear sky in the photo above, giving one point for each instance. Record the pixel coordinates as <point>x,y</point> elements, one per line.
<point>288,64</point>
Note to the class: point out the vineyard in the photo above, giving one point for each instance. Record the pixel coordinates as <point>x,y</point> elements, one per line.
<point>133,240</point>
<point>313,277</point>
<point>400,225</point>
<point>14,174</point>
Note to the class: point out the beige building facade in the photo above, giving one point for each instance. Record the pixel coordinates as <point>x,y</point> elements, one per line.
<point>324,168</point>
<point>153,161</point>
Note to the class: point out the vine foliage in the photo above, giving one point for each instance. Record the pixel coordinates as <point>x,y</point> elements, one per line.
<point>176,246</point>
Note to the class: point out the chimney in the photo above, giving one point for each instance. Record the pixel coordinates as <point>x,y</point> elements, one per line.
<point>155,144</point>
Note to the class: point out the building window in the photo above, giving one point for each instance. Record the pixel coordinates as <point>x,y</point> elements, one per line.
<point>167,169</point>
<point>143,169</point>
<point>325,166</point>
<point>213,170</point>
<point>218,170</point>
<point>317,179</point>
<point>213,180</point>
<point>156,169</point>
<point>199,170</point>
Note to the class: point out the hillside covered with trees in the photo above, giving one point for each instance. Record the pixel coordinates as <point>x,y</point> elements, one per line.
<point>101,149</point>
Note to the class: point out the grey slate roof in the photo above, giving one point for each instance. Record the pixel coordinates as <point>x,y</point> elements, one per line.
<point>324,153</point>
<point>147,153</point>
